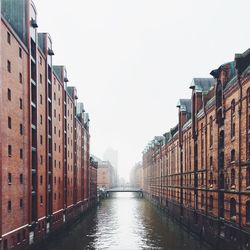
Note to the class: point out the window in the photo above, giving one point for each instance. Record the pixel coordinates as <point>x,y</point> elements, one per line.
<point>9,150</point>
<point>211,130</point>
<point>233,107</point>
<point>233,209</point>
<point>232,129</point>
<point>211,179</point>
<point>54,113</point>
<point>211,202</point>
<point>54,129</point>
<point>232,177</point>
<point>20,52</point>
<point>21,129</point>
<point>21,178</point>
<point>248,177</point>
<point>232,155</point>
<point>41,139</point>
<point>9,122</point>
<point>21,203</point>
<point>8,38</point>
<point>9,206</point>
<point>41,180</point>
<point>41,199</point>
<point>9,94</point>
<point>41,119</point>
<point>248,212</point>
<point>20,78</point>
<point>54,96</point>
<point>21,153</point>
<point>9,178</point>
<point>233,118</point>
<point>21,103</point>
<point>9,66</point>
<point>41,159</point>
<point>41,78</point>
<point>40,60</point>
<point>41,99</point>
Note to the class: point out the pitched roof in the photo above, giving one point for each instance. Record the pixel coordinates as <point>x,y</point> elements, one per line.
<point>202,84</point>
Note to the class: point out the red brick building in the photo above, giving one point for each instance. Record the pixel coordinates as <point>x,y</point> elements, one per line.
<point>199,171</point>
<point>45,173</point>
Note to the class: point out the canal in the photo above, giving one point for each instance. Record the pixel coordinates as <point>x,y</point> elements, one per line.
<point>124,222</point>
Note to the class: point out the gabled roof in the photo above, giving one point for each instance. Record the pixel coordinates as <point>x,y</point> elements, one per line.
<point>202,84</point>
<point>184,105</point>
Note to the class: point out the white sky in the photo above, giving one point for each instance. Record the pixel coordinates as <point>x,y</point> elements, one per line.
<point>131,60</point>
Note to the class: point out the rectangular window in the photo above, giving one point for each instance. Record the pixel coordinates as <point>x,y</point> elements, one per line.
<point>20,103</point>
<point>9,94</point>
<point>9,150</point>
<point>41,139</point>
<point>41,199</point>
<point>21,153</point>
<point>21,178</point>
<point>21,203</point>
<point>41,180</point>
<point>9,206</point>
<point>40,60</point>
<point>9,122</point>
<point>8,38</point>
<point>9,66</point>
<point>20,78</point>
<point>41,78</point>
<point>41,159</point>
<point>41,99</point>
<point>9,178</point>
<point>20,52</point>
<point>54,129</point>
<point>41,119</point>
<point>21,129</point>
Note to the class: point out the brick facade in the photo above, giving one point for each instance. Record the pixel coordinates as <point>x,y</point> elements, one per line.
<point>200,170</point>
<point>46,178</point>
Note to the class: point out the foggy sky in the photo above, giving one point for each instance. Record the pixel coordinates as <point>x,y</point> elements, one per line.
<point>131,60</point>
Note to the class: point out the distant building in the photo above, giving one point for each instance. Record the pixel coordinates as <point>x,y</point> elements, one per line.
<point>111,155</point>
<point>136,176</point>
<point>106,175</point>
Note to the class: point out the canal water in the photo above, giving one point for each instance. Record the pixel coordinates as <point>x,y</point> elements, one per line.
<point>124,222</point>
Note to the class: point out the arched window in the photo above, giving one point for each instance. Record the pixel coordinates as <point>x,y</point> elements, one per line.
<point>232,177</point>
<point>233,209</point>
<point>211,202</point>
<point>232,155</point>
<point>248,212</point>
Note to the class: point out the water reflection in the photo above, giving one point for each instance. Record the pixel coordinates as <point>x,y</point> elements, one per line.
<point>124,222</point>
